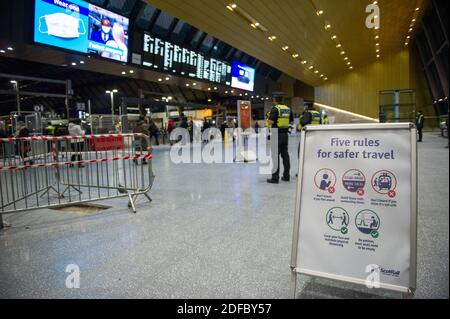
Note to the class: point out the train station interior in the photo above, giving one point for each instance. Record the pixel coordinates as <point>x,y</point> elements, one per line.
<point>136,136</point>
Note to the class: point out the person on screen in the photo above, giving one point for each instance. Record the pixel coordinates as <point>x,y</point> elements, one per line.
<point>118,42</point>
<point>119,36</point>
<point>104,34</point>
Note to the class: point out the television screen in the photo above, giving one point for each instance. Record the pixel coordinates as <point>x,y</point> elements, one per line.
<point>79,26</point>
<point>108,34</point>
<point>243,76</point>
<point>62,24</point>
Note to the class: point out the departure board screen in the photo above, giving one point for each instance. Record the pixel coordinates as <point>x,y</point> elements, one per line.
<point>168,57</point>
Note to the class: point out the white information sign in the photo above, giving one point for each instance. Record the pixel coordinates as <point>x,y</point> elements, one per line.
<point>356,209</point>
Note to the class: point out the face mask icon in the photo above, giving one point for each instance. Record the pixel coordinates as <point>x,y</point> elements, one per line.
<point>61,25</point>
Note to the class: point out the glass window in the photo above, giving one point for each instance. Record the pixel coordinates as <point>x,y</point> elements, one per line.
<point>207,44</point>
<point>144,17</point>
<point>122,7</point>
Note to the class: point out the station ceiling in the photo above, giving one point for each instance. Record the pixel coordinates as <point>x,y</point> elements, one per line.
<point>300,26</point>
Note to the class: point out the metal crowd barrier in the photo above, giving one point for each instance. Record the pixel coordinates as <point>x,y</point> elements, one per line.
<point>50,172</point>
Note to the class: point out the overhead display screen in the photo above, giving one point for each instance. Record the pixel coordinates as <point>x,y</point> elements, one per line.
<point>243,77</point>
<point>83,27</point>
<point>163,55</point>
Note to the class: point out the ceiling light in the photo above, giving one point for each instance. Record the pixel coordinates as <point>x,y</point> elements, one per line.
<point>131,71</point>
<point>209,100</point>
<point>231,6</point>
<point>410,30</point>
<point>194,84</point>
<point>232,91</point>
<point>240,94</point>
<point>187,84</point>
<point>272,38</point>
<point>209,89</point>
<point>167,78</point>
<point>2,51</point>
<point>408,37</point>
<point>226,92</point>
<point>246,94</point>
<point>351,68</point>
<point>406,43</point>
<point>377,50</point>
<point>325,78</point>
<point>215,88</point>
<point>115,91</point>
<point>377,37</point>
<point>304,62</point>
<point>321,75</point>
<point>378,55</point>
<point>159,80</point>
<point>339,45</point>
<point>73,63</point>
<point>346,58</point>
<point>13,82</point>
<point>327,26</point>
<point>348,63</point>
<point>342,52</point>
<point>319,13</point>
<point>285,48</point>
<point>417,9</point>
<point>311,67</point>
<point>375,2</point>
<point>295,55</point>
<point>123,72</point>
<point>334,37</point>
<point>316,71</point>
<point>377,44</point>
<point>9,48</point>
<point>413,20</point>
<point>253,26</point>
<point>81,62</point>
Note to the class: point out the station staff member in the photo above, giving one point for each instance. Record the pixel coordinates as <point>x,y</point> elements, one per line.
<point>419,124</point>
<point>280,118</point>
<point>309,117</point>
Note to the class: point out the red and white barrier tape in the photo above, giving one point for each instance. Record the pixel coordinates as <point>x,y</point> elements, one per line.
<point>64,138</point>
<point>101,160</point>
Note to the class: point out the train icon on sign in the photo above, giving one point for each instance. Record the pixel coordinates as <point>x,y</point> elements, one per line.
<point>384,182</point>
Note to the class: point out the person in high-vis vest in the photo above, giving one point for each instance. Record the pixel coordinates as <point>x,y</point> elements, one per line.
<point>309,117</point>
<point>325,120</point>
<point>280,118</point>
<point>419,124</point>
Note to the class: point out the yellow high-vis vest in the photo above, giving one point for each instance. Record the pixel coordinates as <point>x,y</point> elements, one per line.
<point>284,115</point>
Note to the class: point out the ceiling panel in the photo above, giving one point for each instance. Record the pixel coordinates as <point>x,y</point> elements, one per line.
<point>296,24</point>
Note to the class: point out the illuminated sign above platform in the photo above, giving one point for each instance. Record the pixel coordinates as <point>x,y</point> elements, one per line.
<point>165,56</point>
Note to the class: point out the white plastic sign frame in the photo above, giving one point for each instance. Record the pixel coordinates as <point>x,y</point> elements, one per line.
<point>409,131</point>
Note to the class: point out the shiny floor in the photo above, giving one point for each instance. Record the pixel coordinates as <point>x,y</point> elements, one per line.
<point>212,231</point>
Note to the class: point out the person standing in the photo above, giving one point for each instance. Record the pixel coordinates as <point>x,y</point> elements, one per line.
<point>153,130</point>
<point>419,124</point>
<point>280,118</point>
<point>140,145</point>
<point>77,144</point>
<point>23,147</point>
<point>326,120</point>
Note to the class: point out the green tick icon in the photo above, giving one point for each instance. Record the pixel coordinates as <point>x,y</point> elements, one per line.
<point>375,234</point>
<point>344,230</point>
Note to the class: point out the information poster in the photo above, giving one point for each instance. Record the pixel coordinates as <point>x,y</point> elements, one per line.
<point>244,114</point>
<point>355,207</point>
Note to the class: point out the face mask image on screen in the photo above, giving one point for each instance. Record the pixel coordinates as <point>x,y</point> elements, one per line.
<point>62,25</point>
